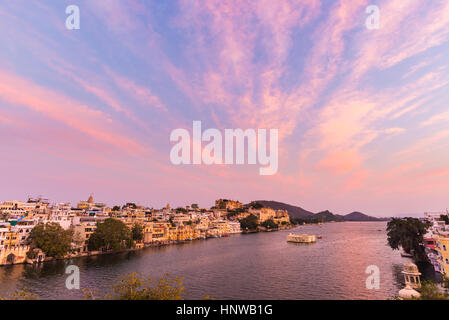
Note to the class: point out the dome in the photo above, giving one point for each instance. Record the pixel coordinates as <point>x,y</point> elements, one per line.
<point>409,293</point>
<point>411,268</point>
<point>91,199</point>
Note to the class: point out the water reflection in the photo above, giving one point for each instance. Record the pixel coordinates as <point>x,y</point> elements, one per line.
<point>255,266</point>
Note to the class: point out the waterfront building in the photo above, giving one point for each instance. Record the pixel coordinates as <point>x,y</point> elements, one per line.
<point>234,227</point>
<point>9,235</point>
<point>412,281</point>
<point>147,232</point>
<point>281,217</point>
<point>24,228</point>
<point>263,214</point>
<point>430,247</point>
<point>160,232</point>
<point>442,247</point>
<point>411,276</point>
<point>222,226</point>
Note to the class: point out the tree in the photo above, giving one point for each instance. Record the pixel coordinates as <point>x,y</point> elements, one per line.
<point>250,222</point>
<point>194,206</point>
<point>180,209</point>
<point>130,205</point>
<point>78,238</point>
<point>137,232</point>
<point>51,238</point>
<point>408,234</point>
<point>135,287</point>
<point>445,218</point>
<point>256,205</point>
<point>23,294</point>
<point>116,208</point>
<point>112,234</point>
<point>269,224</point>
<point>430,291</point>
<point>222,205</point>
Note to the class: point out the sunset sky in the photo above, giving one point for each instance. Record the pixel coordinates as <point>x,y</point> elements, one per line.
<point>363,115</point>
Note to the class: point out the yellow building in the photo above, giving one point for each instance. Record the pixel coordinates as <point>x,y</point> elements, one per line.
<point>222,226</point>
<point>281,217</point>
<point>9,236</point>
<point>263,214</point>
<point>442,247</point>
<point>160,232</point>
<point>228,204</point>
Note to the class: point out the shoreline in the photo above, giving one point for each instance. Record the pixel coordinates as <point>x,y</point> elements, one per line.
<point>144,246</point>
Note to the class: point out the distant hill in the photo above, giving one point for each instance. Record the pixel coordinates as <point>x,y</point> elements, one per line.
<point>296,212</point>
<point>293,211</point>
<point>327,216</point>
<point>358,216</point>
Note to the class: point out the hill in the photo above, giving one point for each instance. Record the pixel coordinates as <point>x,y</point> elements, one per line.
<point>327,216</point>
<point>358,216</point>
<point>299,213</point>
<point>293,211</point>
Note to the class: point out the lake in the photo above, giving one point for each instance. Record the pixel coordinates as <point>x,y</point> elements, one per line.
<point>243,266</point>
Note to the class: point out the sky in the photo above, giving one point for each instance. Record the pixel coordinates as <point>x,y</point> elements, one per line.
<point>362,114</point>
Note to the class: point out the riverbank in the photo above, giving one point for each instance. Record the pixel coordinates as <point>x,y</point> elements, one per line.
<point>333,268</point>
<point>70,256</point>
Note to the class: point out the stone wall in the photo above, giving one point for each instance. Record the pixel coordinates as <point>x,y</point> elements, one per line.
<point>13,255</point>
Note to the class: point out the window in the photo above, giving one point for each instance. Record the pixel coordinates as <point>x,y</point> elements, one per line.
<point>447,261</point>
<point>444,247</point>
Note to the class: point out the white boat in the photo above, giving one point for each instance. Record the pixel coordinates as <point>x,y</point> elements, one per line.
<point>301,238</point>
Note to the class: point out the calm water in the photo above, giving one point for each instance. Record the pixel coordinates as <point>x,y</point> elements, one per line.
<point>253,266</point>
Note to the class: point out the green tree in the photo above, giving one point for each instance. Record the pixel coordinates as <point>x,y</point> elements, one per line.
<point>194,206</point>
<point>51,238</point>
<point>269,224</point>
<point>130,205</point>
<point>112,234</point>
<point>430,291</point>
<point>256,205</point>
<point>23,294</point>
<point>135,287</point>
<point>250,222</point>
<point>445,218</point>
<point>408,234</point>
<point>116,208</point>
<point>137,232</point>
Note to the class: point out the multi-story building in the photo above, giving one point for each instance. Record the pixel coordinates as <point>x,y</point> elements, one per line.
<point>228,204</point>
<point>12,209</point>
<point>9,236</point>
<point>234,227</point>
<point>263,214</point>
<point>442,247</point>
<point>222,226</point>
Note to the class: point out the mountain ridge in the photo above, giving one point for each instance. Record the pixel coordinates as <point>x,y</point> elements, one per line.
<point>296,212</point>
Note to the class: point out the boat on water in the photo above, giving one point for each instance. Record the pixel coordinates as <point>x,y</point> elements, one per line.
<point>301,238</point>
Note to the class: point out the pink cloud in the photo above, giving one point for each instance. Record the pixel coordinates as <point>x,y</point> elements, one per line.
<point>74,114</point>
